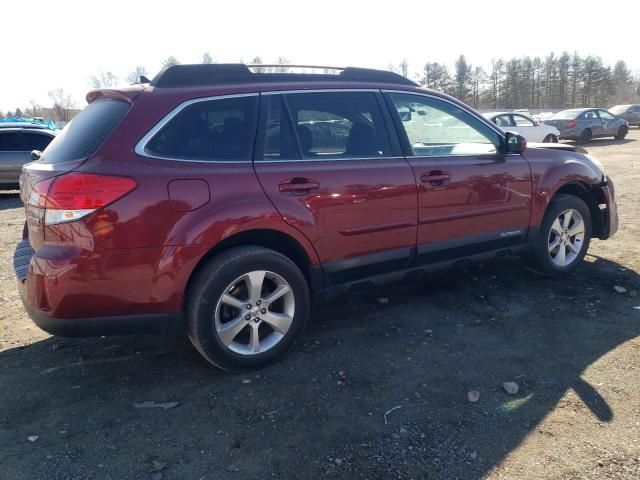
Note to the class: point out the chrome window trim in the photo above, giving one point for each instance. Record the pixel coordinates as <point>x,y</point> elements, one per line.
<point>140,147</point>
<point>465,108</point>
<point>321,90</point>
<point>344,159</point>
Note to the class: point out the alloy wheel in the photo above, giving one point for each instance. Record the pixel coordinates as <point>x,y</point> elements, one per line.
<point>254,313</point>
<point>566,237</point>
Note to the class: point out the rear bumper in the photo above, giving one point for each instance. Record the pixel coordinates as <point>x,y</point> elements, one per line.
<point>46,287</point>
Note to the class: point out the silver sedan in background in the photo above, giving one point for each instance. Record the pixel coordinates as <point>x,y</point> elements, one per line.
<point>17,141</point>
<point>583,124</point>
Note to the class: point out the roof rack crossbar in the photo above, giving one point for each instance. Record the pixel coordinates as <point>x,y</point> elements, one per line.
<point>229,73</point>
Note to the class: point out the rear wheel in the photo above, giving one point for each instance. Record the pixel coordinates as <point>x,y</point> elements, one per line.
<point>622,132</point>
<point>564,237</point>
<point>550,139</point>
<point>246,307</point>
<point>585,136</point>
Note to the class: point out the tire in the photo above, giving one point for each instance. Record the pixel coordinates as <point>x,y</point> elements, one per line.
<point>622,132</point>
<point>546,260</point>
<point>585,136</point>
<point>550,139</point>
<point>208,314</point>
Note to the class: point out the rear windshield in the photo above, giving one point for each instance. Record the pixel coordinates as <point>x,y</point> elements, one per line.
<point>566,115</point>
<point>86,132</point>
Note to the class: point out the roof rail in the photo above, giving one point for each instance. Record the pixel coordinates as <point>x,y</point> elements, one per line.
<point>225,73</point>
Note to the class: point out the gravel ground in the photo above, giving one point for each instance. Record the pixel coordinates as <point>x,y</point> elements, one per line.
<point>374,390</point>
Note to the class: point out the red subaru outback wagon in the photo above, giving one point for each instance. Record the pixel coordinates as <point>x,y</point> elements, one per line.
<point>227,200</point>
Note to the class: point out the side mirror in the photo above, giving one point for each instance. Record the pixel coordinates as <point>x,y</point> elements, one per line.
<point>516,143</point>
<point>35,155</point>
<point>405,115</point>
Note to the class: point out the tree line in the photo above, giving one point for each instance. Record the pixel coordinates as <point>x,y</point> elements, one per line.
<point>553,82</point>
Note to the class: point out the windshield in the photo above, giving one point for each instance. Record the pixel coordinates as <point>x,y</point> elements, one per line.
<point>566,115</point>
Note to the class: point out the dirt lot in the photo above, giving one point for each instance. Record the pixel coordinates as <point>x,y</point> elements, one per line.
<point>374,390</point>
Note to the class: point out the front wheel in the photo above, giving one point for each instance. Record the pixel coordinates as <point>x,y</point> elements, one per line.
<point>246,307</point>
<point>564,237</point>
<point>550,139</point>
<point>622,132</point>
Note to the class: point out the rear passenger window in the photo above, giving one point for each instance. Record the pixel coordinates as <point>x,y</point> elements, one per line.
<point>334,125</point>
<point>10,142</point>
<point>502,121</point>
<point>36,141</point>
<point>213,130</point>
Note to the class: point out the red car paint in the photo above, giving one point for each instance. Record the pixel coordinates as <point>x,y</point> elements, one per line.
<point>136,255</point>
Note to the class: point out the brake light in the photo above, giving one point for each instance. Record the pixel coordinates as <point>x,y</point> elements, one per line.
<point>571,124</point>
<point>75,195</point>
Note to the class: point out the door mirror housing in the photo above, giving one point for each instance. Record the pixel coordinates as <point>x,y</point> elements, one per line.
<point>516,143</point>
<point>35,155</point>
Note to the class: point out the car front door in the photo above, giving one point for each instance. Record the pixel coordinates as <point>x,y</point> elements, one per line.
<point>610,124</point>
<point>527,128</point>
<point>332,167</point>
<point>472,197</point>
<point>12,156</point>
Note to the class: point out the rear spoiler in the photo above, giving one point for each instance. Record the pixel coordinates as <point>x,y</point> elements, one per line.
<point>125,94</point>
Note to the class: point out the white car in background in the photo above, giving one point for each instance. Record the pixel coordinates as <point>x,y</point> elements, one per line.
<point>525,126</point>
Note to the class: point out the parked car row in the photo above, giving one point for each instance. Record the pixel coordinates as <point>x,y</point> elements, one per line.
<point>17,141</point>
<point>578,124</point>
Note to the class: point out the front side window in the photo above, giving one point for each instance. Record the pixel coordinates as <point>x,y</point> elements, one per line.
<point>334,125</point>
<point>444,129</point>
<point>522,121</point>
<point>10,142</point>
<point>502,121</point>
<point>212,130</point>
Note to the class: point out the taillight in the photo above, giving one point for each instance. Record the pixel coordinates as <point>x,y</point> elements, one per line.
<point>571,124</point>
<point>75,195</point>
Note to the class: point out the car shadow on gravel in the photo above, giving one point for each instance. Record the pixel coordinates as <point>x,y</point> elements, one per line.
<point>377,388</point>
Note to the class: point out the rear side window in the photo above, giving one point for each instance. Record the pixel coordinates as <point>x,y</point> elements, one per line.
<point>36,141</point>
<point>10,142</point>
<point>333,125</point>
<point>86,132</point>
<point>213,130</point>
<point>502,121</point>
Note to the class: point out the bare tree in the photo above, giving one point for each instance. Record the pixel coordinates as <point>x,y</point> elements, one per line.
<point>404,68</point>
<point>104,80</point>
<point>134,75</point>
<point>63,103</point>
<point>170,61</point>
<point>207,58</point>
<point>284,61</point>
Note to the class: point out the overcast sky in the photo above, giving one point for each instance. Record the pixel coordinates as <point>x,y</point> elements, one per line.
<point>59,44</point>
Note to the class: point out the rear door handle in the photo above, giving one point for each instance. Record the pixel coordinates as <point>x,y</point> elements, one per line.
<point>436,178</point>
<point>298,185</point>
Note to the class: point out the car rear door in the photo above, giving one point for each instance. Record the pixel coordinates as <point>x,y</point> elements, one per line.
<point>472,197</point>
<point>12,156</point>
<point>332,166</point>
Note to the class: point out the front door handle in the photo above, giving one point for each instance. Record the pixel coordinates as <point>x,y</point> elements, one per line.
<point>436,178</point>
<point>298,185</point>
